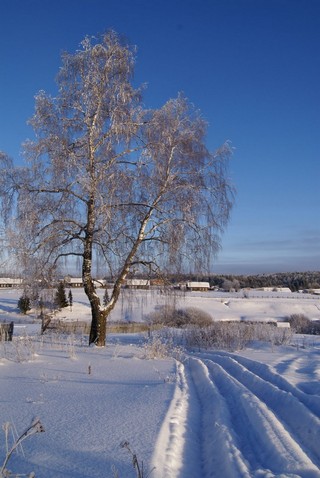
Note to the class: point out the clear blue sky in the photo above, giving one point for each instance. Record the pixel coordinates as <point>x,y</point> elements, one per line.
<point>251,66</point>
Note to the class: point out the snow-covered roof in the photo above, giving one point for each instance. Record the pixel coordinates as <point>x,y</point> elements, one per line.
<point>198,285</point>
<point>314,291</point>
<point>137,282</point>
<point>8,280</point>
<point>74,280</point>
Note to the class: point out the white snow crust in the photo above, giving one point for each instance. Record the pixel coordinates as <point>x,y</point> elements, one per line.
<point>252,413</point>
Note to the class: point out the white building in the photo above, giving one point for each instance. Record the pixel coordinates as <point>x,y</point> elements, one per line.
<point>8,282</point>
<point>137,283</point>
<point>73,281</point>
<point>77,282</point>
<point>283,325</point>
<point>198,286</point>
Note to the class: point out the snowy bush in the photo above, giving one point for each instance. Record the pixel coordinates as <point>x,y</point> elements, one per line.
<point>220,335</point>
<point>169,316</point>
<point>20,349</point>
<point>234,335</point>
<point>160,346</point>
<point>302,325</point>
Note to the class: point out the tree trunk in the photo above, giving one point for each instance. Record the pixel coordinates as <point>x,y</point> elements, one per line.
<point>98,315</point>
<point>98,320</point>
<point>98,328</point>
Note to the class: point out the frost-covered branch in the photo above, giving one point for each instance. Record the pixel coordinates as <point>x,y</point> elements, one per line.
<point>35,427</point>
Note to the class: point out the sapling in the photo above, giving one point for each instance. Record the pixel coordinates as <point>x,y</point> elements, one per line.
<point>24,304</point>
<point>70,299</point>
<point>60,296</point>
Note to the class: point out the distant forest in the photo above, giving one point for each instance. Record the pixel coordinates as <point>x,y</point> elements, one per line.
<point>294,280</point>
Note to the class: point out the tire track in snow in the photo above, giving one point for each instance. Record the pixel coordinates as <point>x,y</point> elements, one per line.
<point>308,365</point>
<point>219,425</point>
<point>177,449</point>
<point>297,417</point>
<point>265,372</point>
<point>264,440</point>
<point>195,439</point>
<point>220,453</point>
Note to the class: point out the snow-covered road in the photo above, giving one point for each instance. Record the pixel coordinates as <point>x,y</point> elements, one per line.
<point>233,417</point>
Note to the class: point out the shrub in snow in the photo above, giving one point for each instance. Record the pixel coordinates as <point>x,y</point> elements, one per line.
<point>220,335</point>
<point>160,346</point>
<point>234,335</point>
<point>156,348</point>
<point>24,348</point>
<point>230,285</point>
<point>21,349</point>
<point>299,322</point>
<point>172,317</point>
<point>302,325</point>
<point>281,336</point>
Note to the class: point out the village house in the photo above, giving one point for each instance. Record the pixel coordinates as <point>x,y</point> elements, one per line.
<point>77,282</point>
<point>283,325</point>
<point>73,281</point>
<point>198,286</point>
<point>275,289</point>
<point>8,282</point>
<point>137,284</point>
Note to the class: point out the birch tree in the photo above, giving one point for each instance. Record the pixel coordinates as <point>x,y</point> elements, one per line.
<point>108,180</point>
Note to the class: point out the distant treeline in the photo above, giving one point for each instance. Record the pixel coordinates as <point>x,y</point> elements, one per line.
<point>294,280</point>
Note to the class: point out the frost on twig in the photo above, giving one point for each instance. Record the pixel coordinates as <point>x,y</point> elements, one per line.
<point>138,467</point>
<point>35,427</point>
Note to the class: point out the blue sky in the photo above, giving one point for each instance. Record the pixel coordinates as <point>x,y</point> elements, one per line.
<point>251,66</point>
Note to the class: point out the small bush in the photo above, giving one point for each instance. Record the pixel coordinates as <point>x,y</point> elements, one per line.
<point>172,317</point>
<point>156,347</point>
<point>302,325</point>
<point>281,336</point>
<point>234,335</point>
<point>222,335</point>
<point>161,346</point>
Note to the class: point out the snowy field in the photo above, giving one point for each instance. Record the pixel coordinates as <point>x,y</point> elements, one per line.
<point>249,413</point>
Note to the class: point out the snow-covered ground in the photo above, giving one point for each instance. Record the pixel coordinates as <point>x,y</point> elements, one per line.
<point>135,305</point>
<point>252,413</point>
